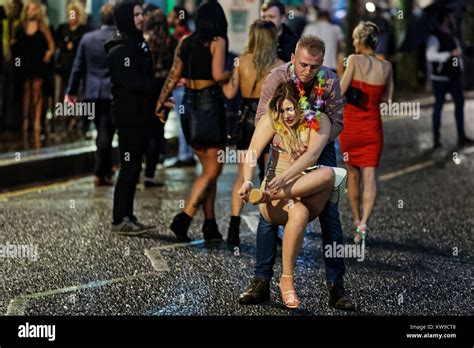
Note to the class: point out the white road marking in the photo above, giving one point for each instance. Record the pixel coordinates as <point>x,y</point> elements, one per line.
<point>18,305</point>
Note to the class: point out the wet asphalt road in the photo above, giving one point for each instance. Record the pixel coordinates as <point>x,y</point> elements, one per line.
<point>418,258</point>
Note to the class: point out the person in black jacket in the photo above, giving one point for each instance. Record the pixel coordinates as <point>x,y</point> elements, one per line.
<point>275,12</point>
<point>131,71</point>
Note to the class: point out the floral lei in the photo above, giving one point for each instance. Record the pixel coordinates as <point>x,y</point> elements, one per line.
<point>313,117</point>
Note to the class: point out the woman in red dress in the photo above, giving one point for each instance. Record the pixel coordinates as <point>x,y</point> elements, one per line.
<point>362,137</point>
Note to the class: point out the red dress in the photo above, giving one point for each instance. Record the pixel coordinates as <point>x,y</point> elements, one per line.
<point>362,137</point>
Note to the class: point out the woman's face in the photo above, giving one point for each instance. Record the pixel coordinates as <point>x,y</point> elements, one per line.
<point>32,11</point>
<point>288,113</point>
<point>73,17</point>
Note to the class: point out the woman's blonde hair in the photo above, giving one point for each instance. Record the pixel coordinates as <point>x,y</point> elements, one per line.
<point>78,10</point>
<point>41,18</point>
<point>291,136</point>
<point>263,44</point>
<point>367,34</point>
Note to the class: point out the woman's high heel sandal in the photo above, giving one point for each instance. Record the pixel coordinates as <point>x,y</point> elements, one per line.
<point>257,196</point>
<point>292,300</point>
<point>361,233</point>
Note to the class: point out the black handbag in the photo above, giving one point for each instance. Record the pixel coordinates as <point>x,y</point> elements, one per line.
<point>353,95</point>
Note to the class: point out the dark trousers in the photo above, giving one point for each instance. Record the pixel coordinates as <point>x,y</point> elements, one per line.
<point>156,144</point>
<point>132,147</point>
<point>105,133</point>
<point>331,232</point>
<point>440,88</point>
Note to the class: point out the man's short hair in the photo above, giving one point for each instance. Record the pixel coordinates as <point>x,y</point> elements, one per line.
<point>107,14</point>
<point>313,44</point>
<point>269,4</point>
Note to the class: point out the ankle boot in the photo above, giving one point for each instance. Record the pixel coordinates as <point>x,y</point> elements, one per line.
<point>234,231</point>
<point>180,226</point>
<point>210,230</point>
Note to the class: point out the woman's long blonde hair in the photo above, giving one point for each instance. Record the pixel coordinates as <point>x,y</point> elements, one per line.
<point>291,137</point>
<point>263,44</point>
<point>41,18</point>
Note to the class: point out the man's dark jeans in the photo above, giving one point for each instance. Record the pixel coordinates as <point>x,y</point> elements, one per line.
<point>132,147</point>
<point>440,88</point>
<point>331,232</point>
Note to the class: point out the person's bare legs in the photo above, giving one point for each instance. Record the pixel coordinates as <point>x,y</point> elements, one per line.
<point>37,103</point>
<point>370,192</point>
<point>237,203</point>
<point>205,186</point>
<point>26,106</point>
<point>307,185</point>
<point>353,191</point>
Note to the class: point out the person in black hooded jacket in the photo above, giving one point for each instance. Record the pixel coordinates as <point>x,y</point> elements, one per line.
<point>131,70</point>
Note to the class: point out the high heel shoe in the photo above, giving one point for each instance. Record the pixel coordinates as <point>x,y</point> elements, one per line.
<point>361,233</point>
<point>258,196</point>
<point>340,184</point>
<point>292,301</point>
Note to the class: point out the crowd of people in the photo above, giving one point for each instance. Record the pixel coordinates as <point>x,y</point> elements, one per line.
<point>294,102</point>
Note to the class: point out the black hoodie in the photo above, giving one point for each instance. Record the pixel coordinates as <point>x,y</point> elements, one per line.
<point>131,71</point>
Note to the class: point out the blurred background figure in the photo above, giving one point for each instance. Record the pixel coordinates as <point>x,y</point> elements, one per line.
<point>332,36</point>
<point>178,21</point>
<point>34,46</point>
<point>259,57</point>
<point>275,12</point>
<point>362,137</point>
<point>162,46</point>
<point>446,68</point>
<point>68,36</point>
<point>90,66</point>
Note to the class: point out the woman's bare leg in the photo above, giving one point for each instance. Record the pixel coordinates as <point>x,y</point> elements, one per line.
<point>37,102</point>
<point>353,191</point>
<point>204,188</point>
<point>236,201</point>
<point>26,106</point>
<point>370,192</point>
<point>307,185</point>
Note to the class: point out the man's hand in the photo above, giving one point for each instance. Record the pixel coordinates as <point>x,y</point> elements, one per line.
<point>70,99</point>
<point>161,109</point>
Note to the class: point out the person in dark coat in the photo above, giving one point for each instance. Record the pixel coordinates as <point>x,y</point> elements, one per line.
<point>91,64</point>
<point>275,12</point>
<point>131,70</point>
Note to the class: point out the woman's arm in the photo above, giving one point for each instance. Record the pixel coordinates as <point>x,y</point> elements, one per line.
<point>389,86</point>
<point>262,136</point>
<point>51,44</point>
<point>317,141</point>
<point>348,74</point>
<point>218,52</point>
<point>171,81</point>
<point>231,88</point>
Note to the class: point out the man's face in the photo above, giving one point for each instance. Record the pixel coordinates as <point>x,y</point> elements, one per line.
<point>138,16</point>
<point>306,65</point>
<point>172,17</point>
<point>273,15</point>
